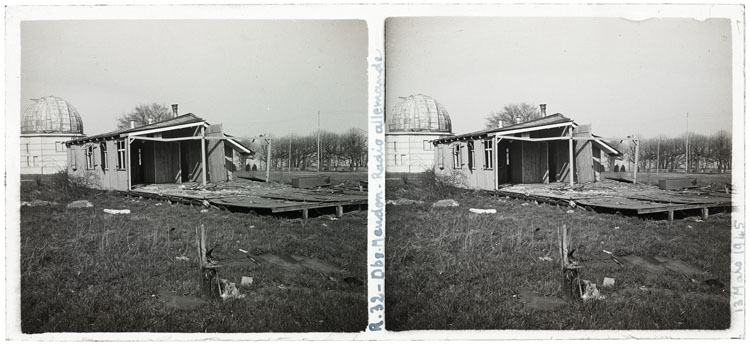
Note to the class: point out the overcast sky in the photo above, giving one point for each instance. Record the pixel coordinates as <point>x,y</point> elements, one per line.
<point>254,76</point>
<point>623,77</point>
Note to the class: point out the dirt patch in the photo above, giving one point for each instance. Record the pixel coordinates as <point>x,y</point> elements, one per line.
<point>294,263</point>
<point>660,265</point>
<point>177,301</point>
<point>540,302</point>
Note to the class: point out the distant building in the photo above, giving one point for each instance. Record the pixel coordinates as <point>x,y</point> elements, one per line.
<point>176,150</point>
<point>45,127</point>
<point>411,127</point>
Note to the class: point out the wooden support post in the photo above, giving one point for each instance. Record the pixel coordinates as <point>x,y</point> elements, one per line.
<point>203,154</point>
<point>570,155</point>
<point>704,213</point>
<point>569,282</point>
<point>670,215</point>
<point>635,169</point>
<point>268,161</point>
<point>128,166</point>
<point>209,276</point>
<point>339,211</point>
<point>304,214</point>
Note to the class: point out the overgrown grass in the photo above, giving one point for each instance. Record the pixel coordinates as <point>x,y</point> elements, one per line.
<point>83,270</point>
<point>451,269</point>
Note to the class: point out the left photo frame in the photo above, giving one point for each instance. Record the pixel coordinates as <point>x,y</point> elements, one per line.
<point>187,176</point>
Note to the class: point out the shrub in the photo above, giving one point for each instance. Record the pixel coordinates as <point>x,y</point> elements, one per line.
<point>74,186</point>
<point>439,185</point>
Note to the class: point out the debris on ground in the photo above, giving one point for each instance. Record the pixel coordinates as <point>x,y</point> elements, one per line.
<point>524,204</point>
<point>570,211</point>
<point>403,201</point>
<point>174,300</point>
<point>608,282</point>
<point>589,291</point>
<point>545,259</point>
<point>483,211</point>
<point>204,210</point>
<point>229,290</point>
<point>182,258</point>
<point>158,204</point>
<point>38,203</point>
<point>117,211</point>
<point>540,302</point>
<point>445,203</point>
<point>80,204</point>
<point>246,281</point>
<point>329,217</point>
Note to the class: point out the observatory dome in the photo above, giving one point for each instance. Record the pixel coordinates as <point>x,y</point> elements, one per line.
<point>51,115</point>
<point>419,113</point>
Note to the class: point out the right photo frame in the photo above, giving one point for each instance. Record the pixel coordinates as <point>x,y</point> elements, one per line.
<point>564,173</point>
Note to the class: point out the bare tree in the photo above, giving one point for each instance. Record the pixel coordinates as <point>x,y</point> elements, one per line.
<point>142,113</point>
<point>513,114</point>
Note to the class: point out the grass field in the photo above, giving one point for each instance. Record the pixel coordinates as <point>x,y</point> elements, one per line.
<point>451,269</point>
<point>83,270</point>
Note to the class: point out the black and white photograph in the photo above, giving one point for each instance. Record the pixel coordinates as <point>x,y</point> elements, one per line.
<point>560,173</point>
<point>192,176</point>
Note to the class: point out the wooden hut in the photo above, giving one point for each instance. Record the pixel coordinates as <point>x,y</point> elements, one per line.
<point>537,151</point>
<point>175,150</point>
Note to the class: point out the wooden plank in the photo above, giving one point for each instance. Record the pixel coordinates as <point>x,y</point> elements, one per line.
<point>656,209</point>
<point>315,205</point>
<point>216,163</point>
<point>584,156</point>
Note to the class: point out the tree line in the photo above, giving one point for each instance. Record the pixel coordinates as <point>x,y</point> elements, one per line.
<point>347,150</point>
<point>706,153</point>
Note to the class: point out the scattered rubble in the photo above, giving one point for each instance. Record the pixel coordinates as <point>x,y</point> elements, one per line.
<point>229,290</point>
<point>80,204</point>
<point>246,281</point>
<point>117,211</point>
<point>38,203</point>
<point>445,203</point>
<point>403,201</point>
<point>483,211</point>
<point>608,282</point>
<point>589,291</point>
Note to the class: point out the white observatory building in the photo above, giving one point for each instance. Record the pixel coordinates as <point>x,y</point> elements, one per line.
<point>45,126</point>
<point>410,128</point>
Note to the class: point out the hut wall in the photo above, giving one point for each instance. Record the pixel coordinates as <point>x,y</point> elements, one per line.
<point>111,177</point>
<point>476,177</point>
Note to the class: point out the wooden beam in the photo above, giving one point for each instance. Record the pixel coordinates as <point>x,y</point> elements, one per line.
<point>704,213</point>
<point>670,215</point>
<point>304,214</point>
<point>203,154</point>
<point>570,156</point>
<point>128,166</point>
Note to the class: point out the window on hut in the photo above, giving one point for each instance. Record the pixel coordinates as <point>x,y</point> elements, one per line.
<point>487,154</point>
<point>441,165</point>
<point>90,157</point>
<point>457,155</point>
<point>121,155</point>
<point>472,158</point>
<point>105,161</point>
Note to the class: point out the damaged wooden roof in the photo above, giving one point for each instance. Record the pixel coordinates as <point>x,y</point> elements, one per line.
<point>530,125</point>
<point>175,121</point>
